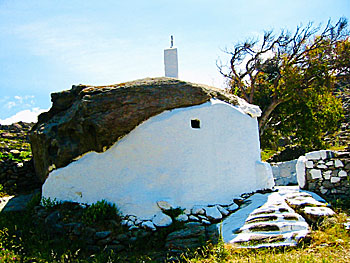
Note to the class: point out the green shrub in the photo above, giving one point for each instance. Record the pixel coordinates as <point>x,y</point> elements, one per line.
<point>49,203</point>
<point>100,211</point>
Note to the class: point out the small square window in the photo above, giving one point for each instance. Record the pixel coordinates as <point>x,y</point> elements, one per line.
<point>195,124</point>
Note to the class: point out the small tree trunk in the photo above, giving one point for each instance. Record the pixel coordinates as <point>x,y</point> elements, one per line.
<point>266,114</point>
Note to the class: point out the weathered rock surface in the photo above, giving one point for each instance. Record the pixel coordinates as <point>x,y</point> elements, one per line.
<point>88,118</point>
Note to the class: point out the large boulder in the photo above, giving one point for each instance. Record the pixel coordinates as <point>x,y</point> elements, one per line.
<point>90,118</point>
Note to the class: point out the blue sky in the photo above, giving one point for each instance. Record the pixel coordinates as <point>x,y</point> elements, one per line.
<point>48,46</point>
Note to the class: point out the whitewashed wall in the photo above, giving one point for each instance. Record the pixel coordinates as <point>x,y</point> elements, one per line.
<point>165,159</point>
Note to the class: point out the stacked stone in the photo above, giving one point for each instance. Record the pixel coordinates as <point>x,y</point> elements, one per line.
<point>325,172</point>
<point>205,215</point>
<point>195,227</point>
<point>16,172</point>
<point>284,173</point>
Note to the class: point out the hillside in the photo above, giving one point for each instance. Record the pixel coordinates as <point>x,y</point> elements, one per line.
<point>17,173</point>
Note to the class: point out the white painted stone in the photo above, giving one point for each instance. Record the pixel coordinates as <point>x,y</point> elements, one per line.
<point>124,222</point>
<point>206,222</point>
<point>232,207</point>
<point>319,211</point>
<point>132,218</point>
<point>315,173</point>
<point>338,163</point>
<point>129,223</point>
<point>138,222</point>
<point>161,220</point>
<point>198,210</point>
<point>193,218</point>
<point>342,173</point>
<point>335,180</point>
<point>164,158</point>
<point>213,213</point>
<point>222,210</point>
<point>300,167</point>
<point>250,109</point>
<point>323,190</point>
<point>164,205</point>
<point>182,218</point>
<point>322,166</point>
<point>329,163</point>
<point>309,164</point>
<point>316,155</point>
<point>187,211</point>
<point>327,175</point>
<point>148,225</point>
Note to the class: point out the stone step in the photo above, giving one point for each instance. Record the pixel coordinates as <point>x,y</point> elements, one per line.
<point>275,222</point>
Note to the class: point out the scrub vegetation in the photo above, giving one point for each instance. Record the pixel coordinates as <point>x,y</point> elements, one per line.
<point>23,239</point>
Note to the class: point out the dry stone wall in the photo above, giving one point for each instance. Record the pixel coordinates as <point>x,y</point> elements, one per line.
<point>325,172</point>
<point>16,166</point>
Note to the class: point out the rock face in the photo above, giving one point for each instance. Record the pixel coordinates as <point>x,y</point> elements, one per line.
<point>88,118</point>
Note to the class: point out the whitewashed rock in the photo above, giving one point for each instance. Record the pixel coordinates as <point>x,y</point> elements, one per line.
<point>303,201</point>
<point>338,163</point>
<point>202,217</point>
<point>323,190</point>
<point>213,213</point>
<point>329,163</point>
<point>198,210</point>
<point>193,218</point>
<point>335,180</point>
<point>300,167</point>
<point>327,175</point>
<point>132,218</point>
<point>152,144</point>
<point>148,225</point>
<point>315,174</point>
<point>130,223</point>
<point>232,207</point>
<point>182,218</point>
<point>187,211</point>
<point>322,166</point>
<point>309,164</point>
<point>124,222</point>
<point>316,155</point>
<point>318,211</point>
<point>253,110</point>
<point>342,173</point>
<point>164,205</point>
<point>162,220</point>
<point>206,222</point>
<point>138,221</point>
<point>223,211</point>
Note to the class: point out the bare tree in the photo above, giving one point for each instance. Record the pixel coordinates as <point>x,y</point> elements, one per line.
<point>276,55</point>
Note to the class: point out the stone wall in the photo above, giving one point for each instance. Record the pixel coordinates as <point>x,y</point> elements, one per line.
<point>17,173</point>
<point>325,172</point>
<point>284,173</point>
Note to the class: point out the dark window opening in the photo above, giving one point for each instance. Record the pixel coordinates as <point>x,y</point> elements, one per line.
<point>195,124</point>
